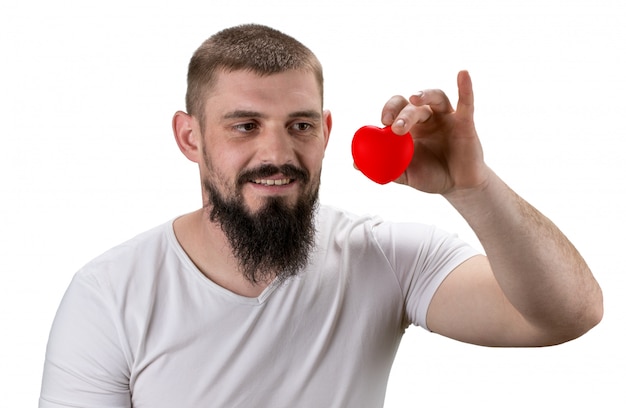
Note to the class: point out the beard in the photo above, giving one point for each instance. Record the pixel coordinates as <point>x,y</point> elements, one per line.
<point>275,242</point>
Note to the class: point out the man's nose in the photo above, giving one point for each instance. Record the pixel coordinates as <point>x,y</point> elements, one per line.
<point>276,146</point>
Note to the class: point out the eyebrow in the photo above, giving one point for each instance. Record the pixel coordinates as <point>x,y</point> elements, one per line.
<point>242,114</point>
<point>310,114</point>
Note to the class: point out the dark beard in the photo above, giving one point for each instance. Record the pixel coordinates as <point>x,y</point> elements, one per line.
<point>275,242</point>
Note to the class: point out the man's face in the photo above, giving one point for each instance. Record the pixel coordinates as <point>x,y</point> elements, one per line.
<point>262,148</point>
<point>255,125</point>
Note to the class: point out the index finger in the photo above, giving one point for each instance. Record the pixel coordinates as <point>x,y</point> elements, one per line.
<point>401,115</point>
<point>435,98</point>
<point>392,108</point>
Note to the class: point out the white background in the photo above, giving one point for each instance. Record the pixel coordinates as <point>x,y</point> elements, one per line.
<point>87,159</point>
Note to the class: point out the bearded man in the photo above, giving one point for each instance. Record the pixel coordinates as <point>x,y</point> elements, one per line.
<point>265,298</point>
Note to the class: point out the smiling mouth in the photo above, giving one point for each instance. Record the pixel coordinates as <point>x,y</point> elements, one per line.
<point>269,175</point>
<point>277,182</point>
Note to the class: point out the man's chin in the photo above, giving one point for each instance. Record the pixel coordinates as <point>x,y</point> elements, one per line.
<point>259,204</point>
<point>270,236</point>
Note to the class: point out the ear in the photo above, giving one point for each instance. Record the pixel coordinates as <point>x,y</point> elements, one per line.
<point>187,134</point>
<point>328,124</point>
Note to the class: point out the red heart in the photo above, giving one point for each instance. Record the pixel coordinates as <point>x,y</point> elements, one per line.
<point>380,154</point>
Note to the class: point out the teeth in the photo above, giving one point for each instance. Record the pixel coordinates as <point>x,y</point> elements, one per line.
<point>278,182</point>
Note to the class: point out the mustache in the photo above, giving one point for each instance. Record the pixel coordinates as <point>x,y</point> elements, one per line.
<point>268,170</point>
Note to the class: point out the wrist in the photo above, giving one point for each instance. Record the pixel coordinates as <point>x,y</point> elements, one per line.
<point>460,196</point>
<point>491,208</point>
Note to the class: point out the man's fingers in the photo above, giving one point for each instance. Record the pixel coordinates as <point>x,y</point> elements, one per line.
<point>465,106</point>
<point>409,116</point>
<point>435,98</point>
<point>392,108</point>
<point>401,115</point>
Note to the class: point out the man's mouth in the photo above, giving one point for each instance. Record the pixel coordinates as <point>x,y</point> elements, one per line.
<point>270,175</point>
<point>276,182</point>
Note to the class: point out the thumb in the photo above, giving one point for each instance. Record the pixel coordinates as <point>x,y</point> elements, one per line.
<point>465,106</point>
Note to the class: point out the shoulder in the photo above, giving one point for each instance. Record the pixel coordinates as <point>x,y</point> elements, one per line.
<point>139,256</point>
<point>124,284</point>
<point>342,224</point>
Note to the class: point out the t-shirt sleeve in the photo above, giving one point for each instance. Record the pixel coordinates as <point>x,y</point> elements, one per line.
<point>85,365</point>
<point>422,257</point>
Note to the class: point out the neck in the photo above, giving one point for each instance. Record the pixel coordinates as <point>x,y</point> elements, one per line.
<point>208,248</point>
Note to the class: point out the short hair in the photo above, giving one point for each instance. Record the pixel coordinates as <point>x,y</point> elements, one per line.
<point>251,47</point>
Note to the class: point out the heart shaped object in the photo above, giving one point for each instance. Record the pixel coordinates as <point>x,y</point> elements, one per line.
<point>380,154</point>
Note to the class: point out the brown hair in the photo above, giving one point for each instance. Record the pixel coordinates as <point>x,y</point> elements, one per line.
<point>256,48</point>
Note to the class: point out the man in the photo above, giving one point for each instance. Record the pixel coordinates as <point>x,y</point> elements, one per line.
<point>263,298</point>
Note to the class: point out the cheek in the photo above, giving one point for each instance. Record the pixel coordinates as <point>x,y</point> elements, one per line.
<point>311,156</point>
<point>221,160</point>
<point>315,165</point>
<point>217,172</point>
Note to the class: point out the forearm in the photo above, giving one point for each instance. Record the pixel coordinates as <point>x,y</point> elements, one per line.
<point>538,269</point>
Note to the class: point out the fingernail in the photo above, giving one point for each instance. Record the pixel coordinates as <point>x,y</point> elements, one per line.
<point>400,123</point>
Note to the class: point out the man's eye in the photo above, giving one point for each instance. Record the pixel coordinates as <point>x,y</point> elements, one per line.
<point>302,126</point>
<point>246,127</point>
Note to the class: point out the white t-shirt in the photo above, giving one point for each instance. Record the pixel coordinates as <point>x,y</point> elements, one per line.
<point>141,326</point>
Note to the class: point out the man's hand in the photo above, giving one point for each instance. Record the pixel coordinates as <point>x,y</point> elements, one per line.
<point>448,156</point>
<point>534,288</point>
